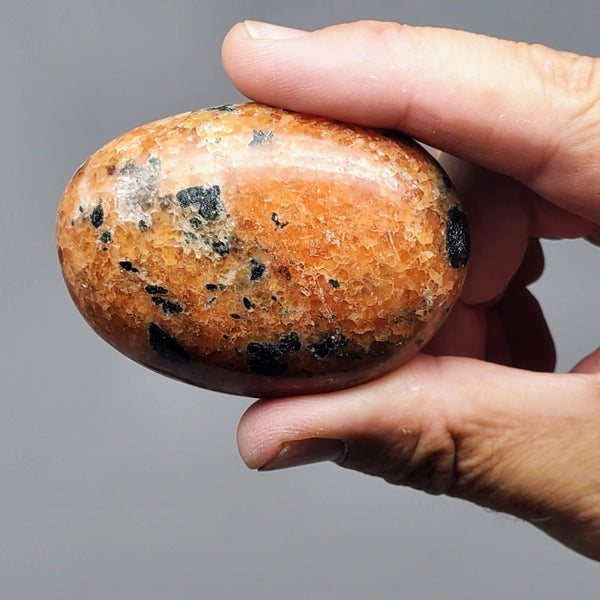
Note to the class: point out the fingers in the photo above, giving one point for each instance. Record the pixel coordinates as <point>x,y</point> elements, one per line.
<point>520,442</point>
<point>497,348</point>
<point>526,111</point>
<point>517,333</point>
<point>529,339</point>
<point>532,266</point>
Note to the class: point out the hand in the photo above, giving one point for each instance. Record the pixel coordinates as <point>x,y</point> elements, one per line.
<point>478,415</point>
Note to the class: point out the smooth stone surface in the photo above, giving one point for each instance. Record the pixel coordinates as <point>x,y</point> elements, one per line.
<point>256,251</point>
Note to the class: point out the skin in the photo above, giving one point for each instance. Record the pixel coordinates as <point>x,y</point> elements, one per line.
<point>479,415</point>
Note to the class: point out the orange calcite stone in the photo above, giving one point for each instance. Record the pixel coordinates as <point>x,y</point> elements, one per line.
<point>256,251</point>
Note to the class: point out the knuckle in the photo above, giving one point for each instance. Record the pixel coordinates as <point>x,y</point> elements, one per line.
<point>434,463</point>
<point>383,30</point>
<point>386,42</point>
<point>567,72</point>
<point>378,46</point>
<point>417,448</point>
<point>426,462</point>
<point>568,88</point>
<point>429,460</point>
<point>572,84</point>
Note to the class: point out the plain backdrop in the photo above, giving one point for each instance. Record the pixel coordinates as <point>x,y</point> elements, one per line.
<point>117,483</point>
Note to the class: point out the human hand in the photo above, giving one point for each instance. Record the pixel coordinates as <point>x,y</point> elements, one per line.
<point>477,415</point>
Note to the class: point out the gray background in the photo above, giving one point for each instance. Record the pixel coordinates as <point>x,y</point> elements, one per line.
<point>118,483</point>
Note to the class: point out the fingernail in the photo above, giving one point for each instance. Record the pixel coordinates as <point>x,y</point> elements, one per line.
<point>306,452</point>
<point>267,31</point>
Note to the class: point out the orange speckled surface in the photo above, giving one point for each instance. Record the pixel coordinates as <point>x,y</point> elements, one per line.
<point>255,251</point>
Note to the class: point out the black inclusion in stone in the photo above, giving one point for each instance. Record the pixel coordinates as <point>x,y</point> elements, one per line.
<point>97,216</point>
<point>458,240</point>
<point>221,247</point>
<point>265,359</point>
<point>285,272</point>
<point>327,345</point>
<point>223,108</point>
<point>166,346</point>
<point>248,304</point>
<point>322,349</point>
<point>289,342</point>
<point>334,283</point>
<point>127,266</point>
<point>278,222</point>
<point>211,287</point>
<point>260,137</point>
<point>106,237</point>
<point>209,205</point>
<point>169,308</point>
<point>172,308</point>
<point>257,269</point>
<point>196,222</point>
<point>156,289</point>
<point>207,198</point>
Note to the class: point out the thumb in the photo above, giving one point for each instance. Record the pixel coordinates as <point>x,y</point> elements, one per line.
<point>515,441</point>
<point>528,112</point>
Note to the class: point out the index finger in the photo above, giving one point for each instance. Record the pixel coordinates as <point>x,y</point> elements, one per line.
<point>525,111</point>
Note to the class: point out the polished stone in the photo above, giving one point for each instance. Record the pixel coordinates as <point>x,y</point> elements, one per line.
<point>256,251</point>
